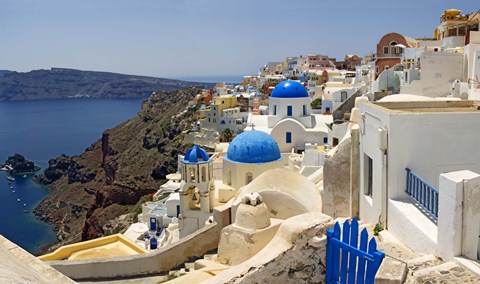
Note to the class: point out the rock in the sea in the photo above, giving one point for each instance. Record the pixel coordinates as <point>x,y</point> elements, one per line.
<point>19,165</point>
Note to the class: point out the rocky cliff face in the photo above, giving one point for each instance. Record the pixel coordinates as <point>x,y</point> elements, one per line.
<point>59,83</point>
<point>116,173</point>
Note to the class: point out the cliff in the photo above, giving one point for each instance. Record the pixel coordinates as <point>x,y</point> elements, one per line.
<point>61,83</point>
<point>117,172</point>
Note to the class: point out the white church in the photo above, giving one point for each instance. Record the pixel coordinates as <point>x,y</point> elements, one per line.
<point>290,120</point>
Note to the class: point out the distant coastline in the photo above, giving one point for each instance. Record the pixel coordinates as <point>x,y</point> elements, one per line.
<point>233,79</point>
<point>63,83</point>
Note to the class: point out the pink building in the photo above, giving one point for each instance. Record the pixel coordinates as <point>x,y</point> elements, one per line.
<point>317,60</point>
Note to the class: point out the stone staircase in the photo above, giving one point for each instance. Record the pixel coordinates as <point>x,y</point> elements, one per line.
<point>190,267</point>
<point>410,267</point>
<point>430,269</point>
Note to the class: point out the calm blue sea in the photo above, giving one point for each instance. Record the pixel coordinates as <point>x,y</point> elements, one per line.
<point>41,130</point>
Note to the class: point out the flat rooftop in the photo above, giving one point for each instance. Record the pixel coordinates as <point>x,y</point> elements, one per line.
<point>434,106</point>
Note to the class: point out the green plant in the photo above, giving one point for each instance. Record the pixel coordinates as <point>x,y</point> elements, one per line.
<point>378,228</point>
<point>228,134</point>
<point>316,103</point>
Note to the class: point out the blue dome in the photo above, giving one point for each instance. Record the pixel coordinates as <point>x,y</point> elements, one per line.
<point>196,155</point>
<point>253,147</point>
<point>289,89</point>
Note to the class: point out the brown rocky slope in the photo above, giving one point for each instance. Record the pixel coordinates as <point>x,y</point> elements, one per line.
<point>117,172</point>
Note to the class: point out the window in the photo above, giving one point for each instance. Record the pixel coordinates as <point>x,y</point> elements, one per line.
<point>368,166</point>
<point>274,109</point>
<point>335,142</point>
<point>343,96</point>
<point>386,49</point>
<point>325,140</point>
<point>192,175</point>
<point>248,178</point>
<point>288,137</point>
<point>204,173</point>
<point>229,178</point>
<point>289,111</point>
<point>304,110</point>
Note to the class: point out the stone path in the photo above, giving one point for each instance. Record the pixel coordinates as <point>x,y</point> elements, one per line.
<point>434,270</point>
<point>426,269</point>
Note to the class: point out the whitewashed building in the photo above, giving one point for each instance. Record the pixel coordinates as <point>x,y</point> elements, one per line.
<point>404,148</point>
<point>290,120</point>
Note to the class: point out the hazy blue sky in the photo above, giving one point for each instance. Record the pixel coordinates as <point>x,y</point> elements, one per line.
<point>178,38</point>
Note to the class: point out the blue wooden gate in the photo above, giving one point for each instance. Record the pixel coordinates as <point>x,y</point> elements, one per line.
<point>349,261</point>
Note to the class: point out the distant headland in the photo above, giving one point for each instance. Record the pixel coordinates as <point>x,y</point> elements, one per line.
<point>63,83</point>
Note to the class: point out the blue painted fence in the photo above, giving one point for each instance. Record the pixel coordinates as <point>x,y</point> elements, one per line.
<point>350,261</point>
<point>423,193</point>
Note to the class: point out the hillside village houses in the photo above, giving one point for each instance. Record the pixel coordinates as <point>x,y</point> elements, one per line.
<point>394,144</point>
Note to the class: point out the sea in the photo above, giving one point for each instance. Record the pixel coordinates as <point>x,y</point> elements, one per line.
<point>42,130</point>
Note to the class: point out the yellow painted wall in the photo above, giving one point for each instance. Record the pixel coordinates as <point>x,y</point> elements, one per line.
<point>224,103</point>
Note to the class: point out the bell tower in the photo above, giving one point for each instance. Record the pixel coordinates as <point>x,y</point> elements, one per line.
<point>195,196</point>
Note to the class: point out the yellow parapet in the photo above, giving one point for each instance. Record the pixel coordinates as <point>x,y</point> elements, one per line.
<point>104,247</point>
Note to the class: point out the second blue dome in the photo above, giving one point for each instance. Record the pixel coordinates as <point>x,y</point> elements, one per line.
<point>289,89</point>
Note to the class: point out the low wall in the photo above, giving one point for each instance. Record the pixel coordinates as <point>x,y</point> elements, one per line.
<point>164,259</point>
<point>411,227</point>
<point>18,266</point>
<point>65,252</point>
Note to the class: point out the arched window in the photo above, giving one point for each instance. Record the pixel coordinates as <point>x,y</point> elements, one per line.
<point>229,177</point>
<point>192,174</point>
<point>248,178</point>
<point>204,173</point>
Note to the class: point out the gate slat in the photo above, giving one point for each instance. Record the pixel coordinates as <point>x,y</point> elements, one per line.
<point>352,265</point>
<point>361,261</point>
<point>345,240</point>
<point>372,248</point>
<point>336,253</point>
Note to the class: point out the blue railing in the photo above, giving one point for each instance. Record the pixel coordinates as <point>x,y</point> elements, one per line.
<point>348,259</point>
<point>423,193</point>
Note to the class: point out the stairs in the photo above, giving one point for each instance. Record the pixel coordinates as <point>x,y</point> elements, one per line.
<point>430,269</point>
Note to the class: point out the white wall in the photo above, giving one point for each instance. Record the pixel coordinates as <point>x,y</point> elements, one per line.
<point>371,207</point>
<point>438,71</point>
<point>297,104</point>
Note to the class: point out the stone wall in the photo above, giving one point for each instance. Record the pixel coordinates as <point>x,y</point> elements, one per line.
<point>336,181</point>
<point>295,255</point>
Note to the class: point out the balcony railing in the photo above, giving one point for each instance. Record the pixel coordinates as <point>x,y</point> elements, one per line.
<point>423,193</point>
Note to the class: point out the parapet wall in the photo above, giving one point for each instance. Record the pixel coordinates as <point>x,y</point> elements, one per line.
<point>164,259</point>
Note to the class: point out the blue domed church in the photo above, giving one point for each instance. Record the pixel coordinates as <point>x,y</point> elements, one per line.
<point>290,120</point>
<point>250,154</point>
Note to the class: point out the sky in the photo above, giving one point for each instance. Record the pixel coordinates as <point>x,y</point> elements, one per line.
<point>201,38</point>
